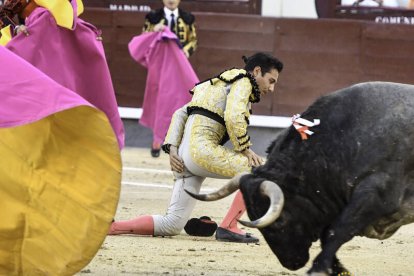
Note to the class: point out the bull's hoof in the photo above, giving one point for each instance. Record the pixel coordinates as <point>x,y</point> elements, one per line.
<point>334,273</point>
<point>339,269</point>
<point>228,236</point>
<point>317,274</point>
<point>327,272</point>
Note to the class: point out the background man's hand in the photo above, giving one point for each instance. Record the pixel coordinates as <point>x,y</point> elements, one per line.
<point>159,27</point>
<point>254,159</point>
<point>176,163</point>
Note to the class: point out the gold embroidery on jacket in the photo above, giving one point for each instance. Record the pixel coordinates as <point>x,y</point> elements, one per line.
<point>186,33</point>
<point>230,101</point>
<point>208,154</point>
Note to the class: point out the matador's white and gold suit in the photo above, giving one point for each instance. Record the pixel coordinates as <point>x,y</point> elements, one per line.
<point>218,111</point>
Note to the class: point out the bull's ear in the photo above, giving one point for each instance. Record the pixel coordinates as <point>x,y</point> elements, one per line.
<point>270,148</point>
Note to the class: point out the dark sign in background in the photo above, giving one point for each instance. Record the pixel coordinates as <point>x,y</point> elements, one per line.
<point>381,11</point>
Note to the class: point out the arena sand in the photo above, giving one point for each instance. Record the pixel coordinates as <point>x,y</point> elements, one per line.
<point>146,189</point>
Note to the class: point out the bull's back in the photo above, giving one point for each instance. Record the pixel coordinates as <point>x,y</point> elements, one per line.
<point>359,127</point>
<point>365,110</point>
<point>365,102</point>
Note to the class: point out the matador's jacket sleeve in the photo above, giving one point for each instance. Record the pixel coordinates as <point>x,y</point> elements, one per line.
<point>176,130</point>
<point>236,114</point>
<point>186,32</point>
<point>185,28</point>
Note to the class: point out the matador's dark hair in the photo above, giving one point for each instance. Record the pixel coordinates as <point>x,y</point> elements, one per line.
<point>265,61</point>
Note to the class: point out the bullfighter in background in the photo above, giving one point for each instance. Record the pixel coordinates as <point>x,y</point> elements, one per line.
<point>159,101</point>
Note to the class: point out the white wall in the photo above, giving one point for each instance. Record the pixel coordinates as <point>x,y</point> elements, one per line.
<point>272,8</point>
<point>289,8</point>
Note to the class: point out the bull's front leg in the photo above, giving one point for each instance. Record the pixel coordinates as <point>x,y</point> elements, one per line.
<point>370,201</point>
<point>336,268</point>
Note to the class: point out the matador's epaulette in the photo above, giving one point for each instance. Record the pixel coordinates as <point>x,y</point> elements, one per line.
<point>155,16</point>
<point>187,17</point>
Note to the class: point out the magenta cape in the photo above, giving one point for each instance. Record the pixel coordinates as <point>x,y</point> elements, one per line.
<point>170,77</point>
<point>73,58</point>
<point>27,95</point>
<point>60,174</point>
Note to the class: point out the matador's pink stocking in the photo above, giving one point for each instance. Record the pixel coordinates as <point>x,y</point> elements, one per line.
<point>142,225</point>
<point>235,212</point>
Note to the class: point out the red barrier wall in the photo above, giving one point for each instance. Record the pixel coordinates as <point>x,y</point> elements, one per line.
<point>320,56</point>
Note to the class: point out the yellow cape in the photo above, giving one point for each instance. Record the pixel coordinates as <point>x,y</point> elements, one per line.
<point>61,10</point>
<point>5,35</point>
<point>59,188</point>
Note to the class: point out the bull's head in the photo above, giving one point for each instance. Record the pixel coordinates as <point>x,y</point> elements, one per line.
<point>264,202</point>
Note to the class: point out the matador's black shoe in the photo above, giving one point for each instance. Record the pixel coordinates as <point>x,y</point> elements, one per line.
<point>155,152</point>
<point>225,235</point>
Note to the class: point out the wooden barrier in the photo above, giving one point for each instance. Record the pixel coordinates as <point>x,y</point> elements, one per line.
<point>320,56</point>
<point>217,6</point>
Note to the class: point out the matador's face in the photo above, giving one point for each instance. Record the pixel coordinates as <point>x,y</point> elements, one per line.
<point>266,82</point>
<point>171,4</point>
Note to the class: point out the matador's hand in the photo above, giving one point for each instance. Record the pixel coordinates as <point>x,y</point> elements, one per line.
<point>159,27</point>
<point>176,163</point>
<point>254,159</point>
<point>21,29</point>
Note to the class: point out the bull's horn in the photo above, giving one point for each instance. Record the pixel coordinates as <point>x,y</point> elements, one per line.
<point>275,194</point>
<point>226,190</point>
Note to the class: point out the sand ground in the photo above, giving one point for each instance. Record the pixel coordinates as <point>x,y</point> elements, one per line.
<point>146,189</point>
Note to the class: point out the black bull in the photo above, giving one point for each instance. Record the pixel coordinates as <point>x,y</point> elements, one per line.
<point>353,176</point>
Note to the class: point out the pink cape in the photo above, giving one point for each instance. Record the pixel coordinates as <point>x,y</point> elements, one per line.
<point>73,58</point>
<point>22,102</point>
<point>170,77</point>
